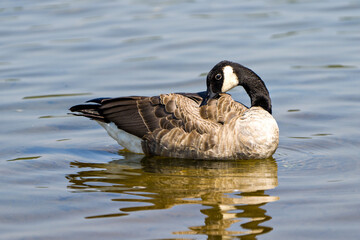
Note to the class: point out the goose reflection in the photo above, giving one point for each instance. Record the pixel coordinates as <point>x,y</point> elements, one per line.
<point>232,192</point>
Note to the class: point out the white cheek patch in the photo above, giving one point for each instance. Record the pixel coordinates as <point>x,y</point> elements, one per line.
<point>230,79</point>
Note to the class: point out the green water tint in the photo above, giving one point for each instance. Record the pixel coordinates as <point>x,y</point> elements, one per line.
<point>295,33</point>
<point>324,66</point>
<point>24,158</point>
<point>294,110</point>
<point>10,79</point>
<point>301,137</point>
<point>51,116</point>
<point>232,191</point>
<point>57,95</point>
<point>63,139</point>
<point>322,134</point>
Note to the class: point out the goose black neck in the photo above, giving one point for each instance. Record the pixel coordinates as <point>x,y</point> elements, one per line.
<point>257,91</point>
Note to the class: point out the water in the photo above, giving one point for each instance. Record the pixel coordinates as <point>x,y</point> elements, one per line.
<point>63,177</point>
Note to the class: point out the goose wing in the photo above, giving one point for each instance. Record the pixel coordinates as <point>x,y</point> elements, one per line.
<point>136,115</point>
<point>140,115</point>
<point>170,124</point>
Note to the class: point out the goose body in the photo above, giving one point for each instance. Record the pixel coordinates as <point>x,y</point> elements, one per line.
<point>205,125</point>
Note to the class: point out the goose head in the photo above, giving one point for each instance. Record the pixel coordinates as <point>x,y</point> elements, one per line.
<point>226,75</point>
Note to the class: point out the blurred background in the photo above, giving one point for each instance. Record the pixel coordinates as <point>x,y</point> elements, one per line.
<point>63,177</point>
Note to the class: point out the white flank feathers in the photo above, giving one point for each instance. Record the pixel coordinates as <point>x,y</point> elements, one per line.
<point>127,140</point>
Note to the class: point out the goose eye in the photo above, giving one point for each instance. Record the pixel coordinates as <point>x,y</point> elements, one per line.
<point>218,76</point>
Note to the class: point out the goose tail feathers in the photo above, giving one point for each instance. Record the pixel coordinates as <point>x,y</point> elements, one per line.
<point>90,110</point>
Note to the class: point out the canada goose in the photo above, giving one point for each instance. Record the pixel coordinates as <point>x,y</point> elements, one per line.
<point>204,125</point>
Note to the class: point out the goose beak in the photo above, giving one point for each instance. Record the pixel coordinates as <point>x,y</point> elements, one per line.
<point>209,95</point>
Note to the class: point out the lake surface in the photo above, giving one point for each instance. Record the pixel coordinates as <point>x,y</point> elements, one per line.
<point>63,177</point>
